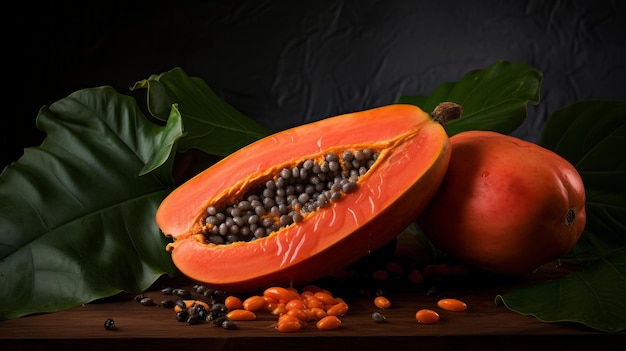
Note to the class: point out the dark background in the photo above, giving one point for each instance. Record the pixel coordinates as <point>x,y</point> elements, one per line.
<point>284,63</point>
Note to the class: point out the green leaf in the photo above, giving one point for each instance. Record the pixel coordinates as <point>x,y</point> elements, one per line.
<point>211,124</point>
<point>165,143</point>
<point>494,98</point>
<point>593,297</point>
<point>76,218</point>
<point>592,136</point>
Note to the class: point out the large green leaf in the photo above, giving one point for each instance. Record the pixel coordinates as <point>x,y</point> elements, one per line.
<point>494,98</point>
<point>592,136</point>
<point>211,124</point>
<point>593,296</point>
<point>76,217</point>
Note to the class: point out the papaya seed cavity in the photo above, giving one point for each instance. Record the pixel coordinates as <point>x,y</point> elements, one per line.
<point>285,198</point>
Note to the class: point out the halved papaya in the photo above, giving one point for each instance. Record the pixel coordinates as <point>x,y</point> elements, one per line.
<point>411,154</point>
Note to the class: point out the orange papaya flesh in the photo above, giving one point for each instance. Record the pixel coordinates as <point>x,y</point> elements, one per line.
<point>413,157</point>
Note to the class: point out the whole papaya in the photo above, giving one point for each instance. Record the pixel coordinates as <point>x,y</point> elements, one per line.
<point>506,205</point>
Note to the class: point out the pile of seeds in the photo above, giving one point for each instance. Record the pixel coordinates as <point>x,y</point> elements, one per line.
<point>288,196</point>
<point>206,305</point>
<point>203,305</point>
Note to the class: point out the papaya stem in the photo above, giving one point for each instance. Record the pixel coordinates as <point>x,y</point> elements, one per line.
<point>447,111</point>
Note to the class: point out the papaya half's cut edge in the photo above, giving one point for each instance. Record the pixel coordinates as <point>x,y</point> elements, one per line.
<point>388,198</point>
<point>381,124</point>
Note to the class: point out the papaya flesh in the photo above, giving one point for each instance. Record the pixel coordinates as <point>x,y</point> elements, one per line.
<point>413,154</point>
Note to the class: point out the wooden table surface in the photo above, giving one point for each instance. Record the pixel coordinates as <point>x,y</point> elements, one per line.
<point>484,326</point>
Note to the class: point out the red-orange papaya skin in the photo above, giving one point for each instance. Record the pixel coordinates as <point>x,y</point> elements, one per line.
<point>413,157</point>
<point>506,205</point>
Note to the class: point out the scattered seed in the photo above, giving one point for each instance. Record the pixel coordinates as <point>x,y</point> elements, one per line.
<point>290,326</point>
<point>416,276</point>
<point>146,301</point>
<point>182,316</point>
<point>181,293</point>
<point>378,317</point>
<point>216,319</point>
<point>338,309</point>
<point>219,308</point>
<point>450,304</point>
<point>193,319</point>
<point>229,324</point>
<point>280,294</point>
<point>254,303</point>
<point>241,315</point>
<point>168,303</point>
<point>382,302</point>
<point>233,303</point>
<point>203,314</point>
<point>325,297</point>
<point>394,268</point>
<point>427,316</point>
<point>328,323</point>
<point>318,313</point>
<point>109,324</point>
<point>296,304</point>
<point>180,305</point>
<point>439,269</point>
<point>380,275</point>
